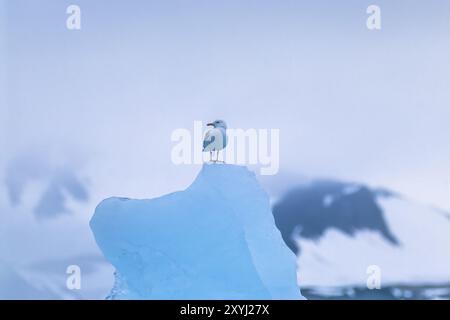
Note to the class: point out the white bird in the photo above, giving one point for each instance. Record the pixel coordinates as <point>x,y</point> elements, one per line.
<point>215,138</point>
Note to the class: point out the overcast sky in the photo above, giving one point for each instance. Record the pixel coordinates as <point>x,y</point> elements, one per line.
<point>353,104</point>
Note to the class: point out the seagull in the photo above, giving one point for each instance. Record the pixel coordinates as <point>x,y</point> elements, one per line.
<point>215,138</point>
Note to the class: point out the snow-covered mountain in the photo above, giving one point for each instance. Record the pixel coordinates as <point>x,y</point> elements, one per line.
<point>339,230</point>
<point>43,231</point>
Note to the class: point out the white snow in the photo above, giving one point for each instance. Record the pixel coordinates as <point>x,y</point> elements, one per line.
<point>215,240</point>
<point>328,200</point>
<point>351,189</point>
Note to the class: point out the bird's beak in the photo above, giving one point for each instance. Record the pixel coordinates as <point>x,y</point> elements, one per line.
<point>210,124</point>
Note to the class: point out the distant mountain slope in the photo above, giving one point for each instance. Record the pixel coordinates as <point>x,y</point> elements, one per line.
<point>313,209</point>
<point>342,228</point>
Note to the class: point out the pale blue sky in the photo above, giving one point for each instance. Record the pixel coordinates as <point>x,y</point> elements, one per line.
<point>350,103</point>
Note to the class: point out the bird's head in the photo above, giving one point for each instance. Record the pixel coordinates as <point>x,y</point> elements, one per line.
<point>218,124</point>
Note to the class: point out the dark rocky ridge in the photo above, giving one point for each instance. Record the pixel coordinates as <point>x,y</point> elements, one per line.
<point>308,211</point>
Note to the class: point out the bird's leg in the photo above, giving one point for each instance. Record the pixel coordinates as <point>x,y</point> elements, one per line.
<point>222,161</point>
<point>217,156</point>
<point>210,156</point>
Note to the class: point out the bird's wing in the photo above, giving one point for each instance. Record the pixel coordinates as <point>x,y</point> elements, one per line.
<point>209,138</point>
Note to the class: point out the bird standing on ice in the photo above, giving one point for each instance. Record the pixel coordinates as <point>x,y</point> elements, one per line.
<point>215,138</point>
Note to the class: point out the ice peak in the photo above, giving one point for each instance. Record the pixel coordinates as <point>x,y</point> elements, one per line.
<point>215,240</point>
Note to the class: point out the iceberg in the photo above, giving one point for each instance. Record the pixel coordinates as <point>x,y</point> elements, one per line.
<point>215,240</point>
